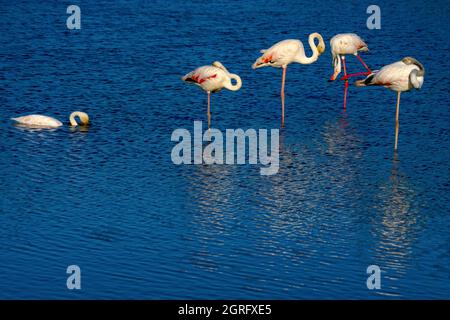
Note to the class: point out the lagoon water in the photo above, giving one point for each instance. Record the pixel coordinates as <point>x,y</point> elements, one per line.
<point>110,200</point>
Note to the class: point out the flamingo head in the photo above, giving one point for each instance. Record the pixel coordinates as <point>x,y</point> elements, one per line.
<point>321,48</point>
<point>321,44</point>
<point>218,64</point>
<point>411,60</point>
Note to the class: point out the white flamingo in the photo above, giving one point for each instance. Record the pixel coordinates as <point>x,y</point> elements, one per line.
<point>212,79</point>
<point>341,45</point>
<point>41,121</point>
<point>285,52</point>
<point>400,76</point>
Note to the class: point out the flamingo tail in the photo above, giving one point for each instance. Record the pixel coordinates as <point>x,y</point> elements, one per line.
<point>366,82</point>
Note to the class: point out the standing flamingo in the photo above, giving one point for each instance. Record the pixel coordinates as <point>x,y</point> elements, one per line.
<point>400,76</point>
<point>341,45</point>
<point>212,79</point>
<point>286,52</point>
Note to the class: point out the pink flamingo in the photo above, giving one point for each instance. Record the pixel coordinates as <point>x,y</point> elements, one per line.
<point>285,52</point>
<point>212,79</point>
<point>400,76</point>
<point>341,45</point>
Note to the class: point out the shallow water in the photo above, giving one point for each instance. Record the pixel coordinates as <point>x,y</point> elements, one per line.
<point>109,199</point>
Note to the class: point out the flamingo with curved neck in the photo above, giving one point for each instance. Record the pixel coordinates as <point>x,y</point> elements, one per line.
<point>400,76</point>
<point>285,52</point>
<point>41,121</point>
<point>344,44</point>
<point>84,118</point>
<point>213,78</point>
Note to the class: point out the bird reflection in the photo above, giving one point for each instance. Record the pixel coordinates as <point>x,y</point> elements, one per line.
<point>340,138</point>
<point>398,217</point>
<point>210,191</point>
<point>343,148</point>
<point>33,129</point>
<point>82,129</point>
<point>282,199</point>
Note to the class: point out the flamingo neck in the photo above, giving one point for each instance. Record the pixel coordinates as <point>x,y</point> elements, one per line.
<point>84,118</point>
<point>337,64</point>
<point>416,79</point>
<point>229,85</point>
<point>301,56</point>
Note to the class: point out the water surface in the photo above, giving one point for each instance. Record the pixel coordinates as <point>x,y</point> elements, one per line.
<point>110,200</point>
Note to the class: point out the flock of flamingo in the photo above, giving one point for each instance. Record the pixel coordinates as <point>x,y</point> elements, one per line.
<point>400,76</point>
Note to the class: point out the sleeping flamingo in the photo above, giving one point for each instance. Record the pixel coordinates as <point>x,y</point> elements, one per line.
<point>46,122</point>
<point>400,76</point>
<point>286,52</point>
<point>212,79</point>
<point>341,45</point>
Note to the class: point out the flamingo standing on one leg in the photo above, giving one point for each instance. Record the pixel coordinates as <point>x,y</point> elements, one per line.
<point>286,52</point>
<point>212,79</point>
<point>400,76</point>
<point>341,45</point>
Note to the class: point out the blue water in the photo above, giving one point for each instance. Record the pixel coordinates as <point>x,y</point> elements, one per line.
<point>109,199</point>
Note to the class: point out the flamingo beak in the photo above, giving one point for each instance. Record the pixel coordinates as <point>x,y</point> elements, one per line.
<point>256,65</point>
<point>333,77</point>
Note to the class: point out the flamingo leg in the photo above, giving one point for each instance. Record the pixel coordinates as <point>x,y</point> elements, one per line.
<point>364,64</point>
<point>365,73</point>
<point>209,109</point>
<point>396,120</point>
<point>346,82</point>
<point>283,80</point>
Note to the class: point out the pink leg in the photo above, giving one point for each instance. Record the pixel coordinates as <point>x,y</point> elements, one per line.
<point>365,73</point>
<point>345,94</point>
<point>282,96</point>
<point>355,75</point>
<point>364,64</point>
<point>346,82</point>
<point>209,109</point>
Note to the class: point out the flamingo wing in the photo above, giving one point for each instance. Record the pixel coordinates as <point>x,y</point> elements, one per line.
<point>38,120</point>
<point>280,54</point>
<point>347,43</point>
<point>210,78</point>
<point>201,75</point>
<point>394,76</point>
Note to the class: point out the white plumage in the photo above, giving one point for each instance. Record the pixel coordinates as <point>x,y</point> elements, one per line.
<point>288,51</point>
<point>212,79</point>
<point>41,121</point>
<point>285,52</point>
<point>398,76</point>
<point>347,43</point>
<point>38,121</point>
<point>343,44</point>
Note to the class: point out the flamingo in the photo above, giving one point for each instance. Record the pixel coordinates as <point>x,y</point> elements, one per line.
<point>400,76</point>
<point>213,79</point>
<point>285,52</point>
<point>41,121</point>
<point>341,45</point>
